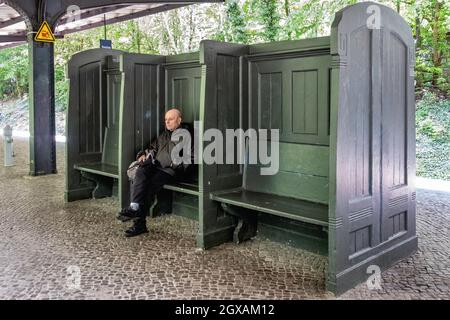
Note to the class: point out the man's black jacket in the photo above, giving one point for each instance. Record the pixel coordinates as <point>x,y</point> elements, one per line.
<point>160,150</point>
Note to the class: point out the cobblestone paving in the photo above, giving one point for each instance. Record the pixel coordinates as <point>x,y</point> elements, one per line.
<point>44,242</point>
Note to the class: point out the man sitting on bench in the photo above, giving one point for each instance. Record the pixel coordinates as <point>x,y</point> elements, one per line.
<point>156,169</point>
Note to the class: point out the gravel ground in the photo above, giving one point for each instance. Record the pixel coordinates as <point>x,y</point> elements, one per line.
<point>53,250</point>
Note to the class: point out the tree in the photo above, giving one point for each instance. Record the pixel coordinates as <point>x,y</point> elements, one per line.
<point>267,12</point>
<point>235,24</point>
<point>13,72</point>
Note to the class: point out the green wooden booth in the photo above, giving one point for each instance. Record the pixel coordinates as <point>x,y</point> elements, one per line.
<point>344,105</point>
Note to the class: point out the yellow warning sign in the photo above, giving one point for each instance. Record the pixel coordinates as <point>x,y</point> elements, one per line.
<point>44,34</point>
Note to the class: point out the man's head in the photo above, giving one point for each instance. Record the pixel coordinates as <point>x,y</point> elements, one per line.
<point>173,119</point>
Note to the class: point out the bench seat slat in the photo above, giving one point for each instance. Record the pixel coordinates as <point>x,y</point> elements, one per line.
<point>294,209</point>
<point>100,169</point>
<point>183,187</point>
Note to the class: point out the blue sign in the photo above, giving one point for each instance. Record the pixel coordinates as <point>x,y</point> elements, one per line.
<point>105,44</point>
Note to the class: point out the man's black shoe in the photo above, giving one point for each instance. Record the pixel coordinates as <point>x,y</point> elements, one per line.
<point>128,214</point>
<point>136,230</point>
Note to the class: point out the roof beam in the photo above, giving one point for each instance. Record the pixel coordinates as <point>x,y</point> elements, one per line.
<point>13,38</point>
<point>29,10</point>
<point>11,44</point>
<point>26,8</point>
<point>19,36</point>
<point>87,14</point>
<point>93,12</point>
<point>126,17</point>
<point>10,22</point>
<point>59,7</point>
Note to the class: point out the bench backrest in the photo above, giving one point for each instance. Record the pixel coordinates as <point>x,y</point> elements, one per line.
<point>191,173</point>
<point>303,173</point>
<point>110,153</point>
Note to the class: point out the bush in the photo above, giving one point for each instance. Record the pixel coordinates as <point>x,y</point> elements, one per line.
<point>433,137</point>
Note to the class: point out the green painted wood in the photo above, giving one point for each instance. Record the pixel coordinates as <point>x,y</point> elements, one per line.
<point>181,209</point>
<point>222,106</point>
<point>305,159</point>
<point>303,174</point>
<point>182,89</point>
<point>183,188</point>
<point>86,117</point>
<point>372,145</point>
<point>291,94</point>
<point>102,169</point>
<point>110,154</point>
<point>108,167</point>
<point>185,205</point>
<point>280,206</point>
<point>289,184</point>
<point>346,117</point>
<point>140,116</point>
<point>290,46</point>
<point>183,58</point>
<point>310,237</point>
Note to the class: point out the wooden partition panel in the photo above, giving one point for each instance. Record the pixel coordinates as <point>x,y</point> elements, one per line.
<point>182,85</point>
<point>181,89</point>
<point>223,106</point>
<point>140,116</point>
<point>86,116</point>
<point>372,194</point>
<point>289,91</point>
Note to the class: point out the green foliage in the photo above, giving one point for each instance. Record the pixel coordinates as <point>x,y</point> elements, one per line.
<point>13,72</point>
<point>429,21</point>
<point>240,21</point>
<point>433,137</point>
<point>235,25</point>
<point>267,12</point>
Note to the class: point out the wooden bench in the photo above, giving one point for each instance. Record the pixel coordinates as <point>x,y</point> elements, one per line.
<point>183,187</point>
<point>179,193</point>
<point>186,185</point>
<point>286,194</point>
<point>344,105</point>
<point>103,173</point>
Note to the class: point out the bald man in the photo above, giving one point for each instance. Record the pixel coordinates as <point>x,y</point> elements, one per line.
<point>155,170</point>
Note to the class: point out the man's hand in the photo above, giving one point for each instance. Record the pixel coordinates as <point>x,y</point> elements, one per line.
<point>141,158</point>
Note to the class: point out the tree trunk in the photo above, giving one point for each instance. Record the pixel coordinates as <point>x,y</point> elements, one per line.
<point>435,40</point>
<point>191,29</point>
<point>169,32</point>
<point>418,34</point>
<point>419,78</point>
<point>287,13</point>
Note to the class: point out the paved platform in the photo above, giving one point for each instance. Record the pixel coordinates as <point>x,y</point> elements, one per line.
<point>45,244</point>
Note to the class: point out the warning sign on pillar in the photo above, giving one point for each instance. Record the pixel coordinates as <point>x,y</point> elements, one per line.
<point>45,33</point>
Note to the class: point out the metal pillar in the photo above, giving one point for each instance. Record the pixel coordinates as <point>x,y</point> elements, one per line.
<point>42,108</point>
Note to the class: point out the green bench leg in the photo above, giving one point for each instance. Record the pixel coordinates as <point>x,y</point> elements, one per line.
<point>247,223</point>
<point>103,185</point>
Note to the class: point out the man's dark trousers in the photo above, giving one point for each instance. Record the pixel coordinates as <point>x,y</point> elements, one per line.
<point>149,180</point>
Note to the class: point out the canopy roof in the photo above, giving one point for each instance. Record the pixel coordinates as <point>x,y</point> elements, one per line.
<point>14,29</point>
